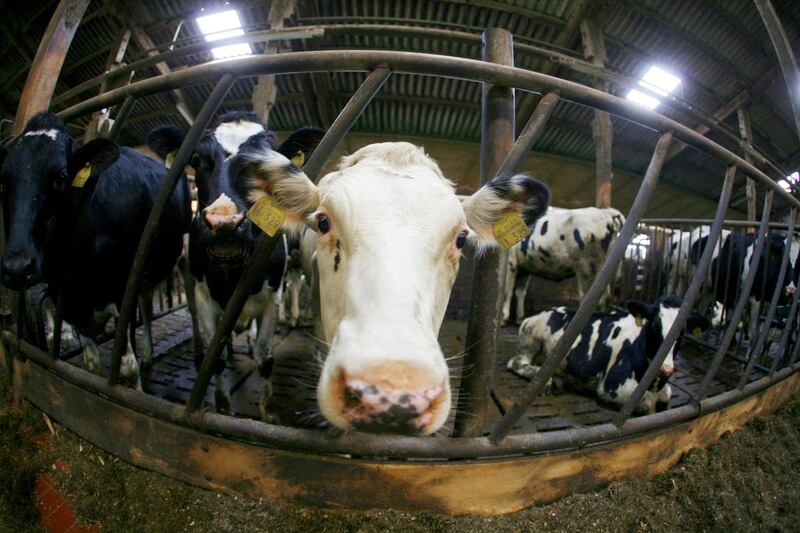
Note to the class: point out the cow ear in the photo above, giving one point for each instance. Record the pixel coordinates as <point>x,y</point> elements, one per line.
<point>255,176</point>
<point>165,140</point>
<point>697,324</point>
<point>95,156</point>
<point>301,143</point>
<point>518,194</point>
<point>640,310</point>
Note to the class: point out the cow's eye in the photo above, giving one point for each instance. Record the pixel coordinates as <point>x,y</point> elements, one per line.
<point>461,240</point>
<point>323,224</point>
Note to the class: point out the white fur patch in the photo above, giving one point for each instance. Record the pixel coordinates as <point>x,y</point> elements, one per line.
<point>52,133</point>
<point>668,316</point>
<point>223,205</point>
<point>231,135</point>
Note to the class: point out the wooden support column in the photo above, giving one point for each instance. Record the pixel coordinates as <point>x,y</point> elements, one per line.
<point>145,43</point>
<point>100,119</point>
<point>786,57</point>
<point>594,49</point>
<point>266,90</point>
<point>49,59</point>
<point>747,142</point>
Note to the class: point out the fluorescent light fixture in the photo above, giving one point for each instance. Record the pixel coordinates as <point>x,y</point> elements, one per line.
<point>223,25</point>
<point>642,99</point>
<point>656,80</point>
<point>786,182</point>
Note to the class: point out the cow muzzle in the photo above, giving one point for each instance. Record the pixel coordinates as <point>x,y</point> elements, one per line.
<point>391,398</point>
<point>20,272</point>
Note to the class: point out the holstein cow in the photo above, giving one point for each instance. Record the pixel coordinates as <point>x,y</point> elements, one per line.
<point>684,249</point>
<point>564,243</point>
<point>41,172</point>
<point>390,230</point>
<point>222,240</point>
<point>611,354</point>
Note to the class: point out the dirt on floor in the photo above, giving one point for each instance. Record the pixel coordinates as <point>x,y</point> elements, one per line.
<point>747,481</point>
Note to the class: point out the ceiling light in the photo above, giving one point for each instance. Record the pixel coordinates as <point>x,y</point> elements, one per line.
<point>223,25</point>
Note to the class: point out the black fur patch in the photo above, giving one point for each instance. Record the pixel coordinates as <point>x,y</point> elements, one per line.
<point>562,237</point>
<point>544,227</point>
<point>531,193</point>
<point>544,252</point>
<point>577,235</point>
<point>338,257</point>
<point>45,121</point>
<point>606,240</point>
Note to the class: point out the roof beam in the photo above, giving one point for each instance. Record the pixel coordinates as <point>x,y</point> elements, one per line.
<point>535,15</point>
<point>266,89</point>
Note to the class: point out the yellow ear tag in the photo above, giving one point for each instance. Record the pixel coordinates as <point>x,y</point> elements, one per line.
<point>639,321</point>
<point>510,229</point>
<point>169,159</point>
<point>697,332</point>
<point>298,159</point>
<point>267,215</point>
<point>82,176</point>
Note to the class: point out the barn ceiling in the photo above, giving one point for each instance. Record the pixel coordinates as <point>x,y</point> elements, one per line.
<point>720,50</point>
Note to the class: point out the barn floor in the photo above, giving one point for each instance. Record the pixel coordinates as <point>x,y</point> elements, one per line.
<point>173,374</point>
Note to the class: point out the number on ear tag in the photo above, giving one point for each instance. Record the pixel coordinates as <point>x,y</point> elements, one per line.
<point>82,176</point>
<point>267,215</point>
<point>639,321</point>
<point>510,229</point>
<point>169,159</point>
<point>298,159</point>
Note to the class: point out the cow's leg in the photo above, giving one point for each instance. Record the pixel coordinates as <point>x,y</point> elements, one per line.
<point>521,291</point>
<point>146,308</point>
<point>222,395</point>
<point>91,356</point>
<point>508,292</point>
<point>665,394</point>
<point>69,337</point>
<point>191,304</point>
<point>129,368</point>
<point>263,354</point>
<point>208,313</point>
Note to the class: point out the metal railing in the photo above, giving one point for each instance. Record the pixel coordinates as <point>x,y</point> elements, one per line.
<point>380,65</point>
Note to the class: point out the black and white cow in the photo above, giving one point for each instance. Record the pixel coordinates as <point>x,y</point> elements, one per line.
<point>684,249</point>
<point>38,172</point>
<point>222,239</point>
<point>564,243</point>
<point>388,232</point>
<point>611,354</point>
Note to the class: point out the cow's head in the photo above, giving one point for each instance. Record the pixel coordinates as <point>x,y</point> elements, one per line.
<point>221,228</point>
<point>37,173</point>
<point>657,319</point>
<point>390,234</point>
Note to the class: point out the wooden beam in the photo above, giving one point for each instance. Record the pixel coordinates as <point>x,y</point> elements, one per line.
<point>786,57</point>
<point>49,59</point>
<point>266,90</point>
<point>144,42</point>
<point>747,141</point>
<point>100,119</point>
<point>594,49</point>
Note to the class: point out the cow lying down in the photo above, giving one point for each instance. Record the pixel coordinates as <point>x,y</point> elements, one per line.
<point>612,352</point>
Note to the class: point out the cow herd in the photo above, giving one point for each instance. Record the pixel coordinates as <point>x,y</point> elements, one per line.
<point>385,231</point>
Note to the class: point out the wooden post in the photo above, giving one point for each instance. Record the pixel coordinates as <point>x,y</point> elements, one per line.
<point>594,49</point>
<point>266,91</point>
<point>747,142</point>
<point>786,58</point>
<point>497,138</point>
<point>46,67</point>
<point>100,121</point>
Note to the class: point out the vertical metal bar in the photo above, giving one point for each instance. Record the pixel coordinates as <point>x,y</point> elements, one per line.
<point>355,106</point>
<point>122,116</point>
<point>604,277</point>
<point>692,292</point>
<point>755,353</point>
<point>171,178</point>
<point>741,303</point>
<point>785,53</point>
<point>264,244</point>
<point>497,138</point>
<point>529,135</point>
<point>789,324</point>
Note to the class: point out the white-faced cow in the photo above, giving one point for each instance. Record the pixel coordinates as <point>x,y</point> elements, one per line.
<point>222,239</point>
<point>611,354</point>
<point>564,243</point>
<point>390,232</point>
<point>38,172</point>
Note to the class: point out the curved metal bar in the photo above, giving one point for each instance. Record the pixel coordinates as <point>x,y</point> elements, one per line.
<point>692,292</point>
<point>426,64</point>
<point>121,117</point>
<point>758,347</point>
<point>584,312</point>
<point>744,295</point>
<point>159,204</point>
<point>531,133</point>
<point>708,221</point>
<point>788,325</point>
<point>354,108</point>
<point>365,445</point>
<point>244,288</point>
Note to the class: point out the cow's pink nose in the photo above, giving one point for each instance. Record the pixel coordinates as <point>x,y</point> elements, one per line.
<point>215,220</point>
<point>667,370</point>
<point>375,403</point>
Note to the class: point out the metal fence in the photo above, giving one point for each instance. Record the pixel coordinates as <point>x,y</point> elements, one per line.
<point>501,155</point>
